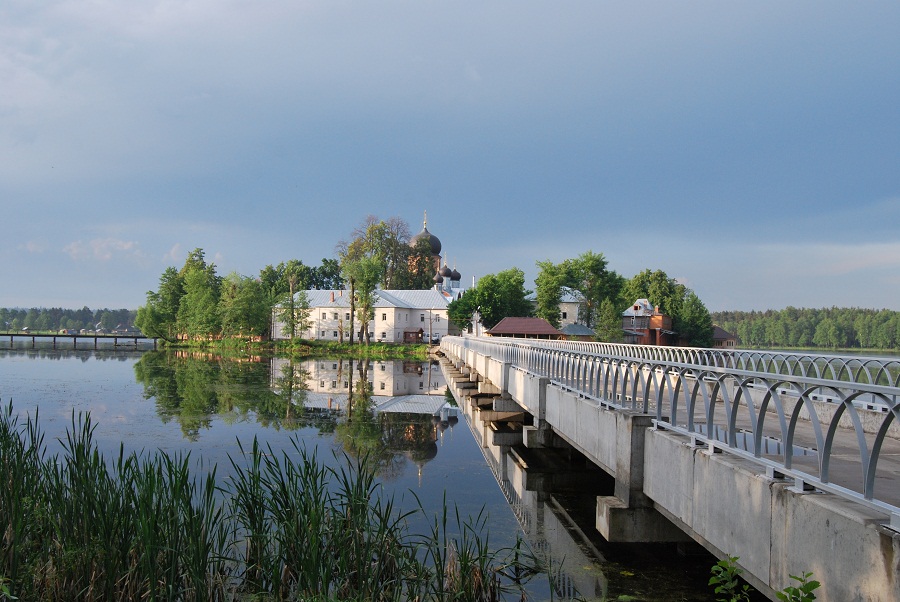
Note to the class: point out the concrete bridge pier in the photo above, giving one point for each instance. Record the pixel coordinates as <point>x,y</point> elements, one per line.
<point>629,515</point>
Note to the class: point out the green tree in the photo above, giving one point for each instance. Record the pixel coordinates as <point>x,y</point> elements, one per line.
<point>549,291</point>
<point>587,277</point>
<point>827,334</point>
<point>658,288</point>
<point>158,318</point>
<point>198,310</point>
<point>243,307</point>
<point>496,296</point>
<point>364,274</point>
<point>609,323</point>
<point>695,326</point>
<point>294,312</point>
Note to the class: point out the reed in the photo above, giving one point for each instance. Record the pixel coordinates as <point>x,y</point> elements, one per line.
<point>285,526</point>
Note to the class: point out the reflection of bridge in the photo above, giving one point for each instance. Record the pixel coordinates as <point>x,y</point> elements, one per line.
<point>790,462</point>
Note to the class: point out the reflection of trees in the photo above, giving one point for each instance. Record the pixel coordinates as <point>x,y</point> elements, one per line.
<point>388,439</point>
<point>193,389</point>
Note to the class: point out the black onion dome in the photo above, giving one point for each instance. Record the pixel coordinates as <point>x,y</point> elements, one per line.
<point>456,276</point>
<point>438,279</point>
<point>433,240</point>
<point>445,271</point>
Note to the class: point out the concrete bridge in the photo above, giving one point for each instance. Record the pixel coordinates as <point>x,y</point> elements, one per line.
<point>788,461</point>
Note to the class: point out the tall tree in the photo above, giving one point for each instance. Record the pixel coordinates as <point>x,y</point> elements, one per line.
<point>364,273</point>
<point>609,323</point>
<point>496,296</point>
<point>549,291</point>
<point>294,312</point>
<point>388,243</point>
<point>587,277</point>
<point>158,318</point>
<point>243,307</point>
<point>695,326</point>
<point>198,310</point>
<point>690,318</point>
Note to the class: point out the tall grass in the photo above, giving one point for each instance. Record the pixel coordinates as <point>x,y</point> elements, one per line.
<point>285,526</point>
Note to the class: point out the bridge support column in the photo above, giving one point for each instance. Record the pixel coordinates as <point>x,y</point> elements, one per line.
<point>629,515</point>
<point>540,435</point>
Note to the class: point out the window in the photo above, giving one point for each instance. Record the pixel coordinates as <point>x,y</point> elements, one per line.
<point>322,383</point>
<point>383,317</point>
<point>334,366</point>
<point>383,335</point>
<point>334,333</point>
<point>564,315</point>
<point>347,316</point>
<point>382,367</point>
<point>437,318</point>
<point>421,317</point>
<point>420,385</point>
<point>334,384</point>
<point>382,386</point>
<point>346,385</point>
<point>323,334</point>
<point>335,315</point>
<point>324,316</point>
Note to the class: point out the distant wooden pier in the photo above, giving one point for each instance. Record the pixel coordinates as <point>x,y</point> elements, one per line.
<point>118,339</point>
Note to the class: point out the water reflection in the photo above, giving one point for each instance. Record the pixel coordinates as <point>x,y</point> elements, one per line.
<point>393,412</point>
<point>553,492</point>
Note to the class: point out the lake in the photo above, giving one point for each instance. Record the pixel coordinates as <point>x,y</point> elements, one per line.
<point>203,403</point>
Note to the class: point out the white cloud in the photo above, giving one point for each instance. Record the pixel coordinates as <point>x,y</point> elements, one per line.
<point>175,254</point>
<point>33,246</point>
<point>102,249</point>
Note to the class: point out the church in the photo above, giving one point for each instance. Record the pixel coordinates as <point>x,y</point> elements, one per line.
<point>400,316</point>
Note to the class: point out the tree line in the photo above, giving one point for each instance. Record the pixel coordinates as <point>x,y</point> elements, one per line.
<point>830,328</point>
<point>601,293</point>
<point>57,318</point>
<point>195,302</point>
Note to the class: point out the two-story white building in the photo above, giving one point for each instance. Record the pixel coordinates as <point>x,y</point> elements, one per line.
<point>399,317</point>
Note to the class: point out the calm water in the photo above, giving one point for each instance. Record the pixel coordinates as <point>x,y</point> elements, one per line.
<point>203,404</point>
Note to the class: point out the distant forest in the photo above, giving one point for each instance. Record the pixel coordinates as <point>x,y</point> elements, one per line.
<point>833,328</point>
<point>56,318</point>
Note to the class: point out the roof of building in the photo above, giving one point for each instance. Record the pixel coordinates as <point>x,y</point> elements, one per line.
<point>384,298</point>
<point>576,330</point>
<point>433,240</point>
<point>569,296</point>
<point>641,307</point>
<point>524,326</point>
<point>720,334</point>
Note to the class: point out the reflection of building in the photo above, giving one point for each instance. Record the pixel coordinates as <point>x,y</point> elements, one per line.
<point>645,325</point>
<point>395,386</point>
<point>386,378</point>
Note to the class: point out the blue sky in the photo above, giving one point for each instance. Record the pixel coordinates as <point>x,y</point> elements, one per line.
<point>751,150</point>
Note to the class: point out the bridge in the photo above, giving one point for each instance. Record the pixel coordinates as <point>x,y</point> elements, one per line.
<point>130,340</point>
<point>791,462</point>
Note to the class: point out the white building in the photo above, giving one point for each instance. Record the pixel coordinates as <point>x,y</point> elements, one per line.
<point>399,316</point>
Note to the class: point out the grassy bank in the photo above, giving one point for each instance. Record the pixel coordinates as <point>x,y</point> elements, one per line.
<point>146,527</point>
<point>301,348</point>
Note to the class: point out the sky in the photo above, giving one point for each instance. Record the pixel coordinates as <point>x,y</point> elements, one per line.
<point>750,150</point>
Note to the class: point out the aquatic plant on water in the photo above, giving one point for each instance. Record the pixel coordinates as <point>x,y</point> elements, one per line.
<point>284,526</point>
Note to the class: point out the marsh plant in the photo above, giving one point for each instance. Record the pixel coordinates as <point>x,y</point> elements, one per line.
<point>80,526</point>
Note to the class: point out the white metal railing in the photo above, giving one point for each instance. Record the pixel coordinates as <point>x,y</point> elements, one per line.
<point>761,405</point>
